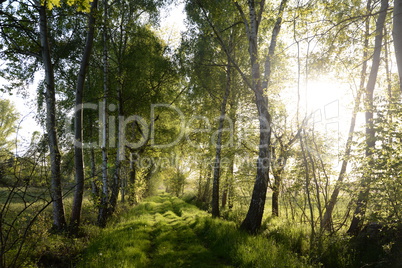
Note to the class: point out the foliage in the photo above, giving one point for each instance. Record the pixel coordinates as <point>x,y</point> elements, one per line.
<point>330,251</point>
<point>386,190</point>
<point>26,236</point>
<point>318,39</point>
<point>8,122</point>
<point>82,5</point>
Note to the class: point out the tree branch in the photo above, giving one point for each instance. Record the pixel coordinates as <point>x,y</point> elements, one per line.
<point>220,39</point>
<point>272,46</point>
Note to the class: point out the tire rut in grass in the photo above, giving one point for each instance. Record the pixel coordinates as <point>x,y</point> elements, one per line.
<point>178,245</point>
<point>157,233</point>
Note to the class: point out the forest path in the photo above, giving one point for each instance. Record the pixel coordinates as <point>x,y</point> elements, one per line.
<point>162,231</point>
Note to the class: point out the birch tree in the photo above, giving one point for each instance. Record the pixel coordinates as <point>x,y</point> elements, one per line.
<point>397,34</point>
<point>59,219</point>
<point>258,84</point>
<point>78,119</point>
<point>363,197</point>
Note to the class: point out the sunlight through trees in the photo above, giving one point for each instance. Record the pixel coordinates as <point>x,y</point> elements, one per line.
<point>281,117</point>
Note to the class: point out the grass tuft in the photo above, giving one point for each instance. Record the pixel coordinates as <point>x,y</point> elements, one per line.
<point>165,231</point>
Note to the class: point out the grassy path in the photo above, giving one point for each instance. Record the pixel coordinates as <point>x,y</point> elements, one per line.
<point>164,231</point>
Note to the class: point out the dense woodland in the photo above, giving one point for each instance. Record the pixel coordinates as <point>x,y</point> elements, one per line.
<point>217,117</point>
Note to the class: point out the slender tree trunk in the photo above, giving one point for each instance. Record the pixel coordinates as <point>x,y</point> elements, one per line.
<point>123,188</point>
<point>122,179</point>
<point>94,180</point>
<point>307,180</point>
<point>271,51</point>
<point>275,193</point>
<point>230,186</point>
<point>199,183</point>
<point>120,153</point>
<point>118,182</point>
<point>317,187</point>
<point>363,196</point>
<point>225,195</point>
<point>387,68</point>
<point>277,170</point>
<point>217,163</point>
<point>278,166</point>
<point>132,179</point>
<point>94,175</point>
<point>231,175</point>
<point>3,262</point>
<point>78,132</point>
<point>147,179</point>
<point>253,219</point>
<point>206,197</point>
<point>397,35</point>
<point>327,219</point>
<point>59,220</point>
<point>104,206</point>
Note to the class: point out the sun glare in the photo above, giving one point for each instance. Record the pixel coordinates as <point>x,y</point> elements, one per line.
<point>322,94</point>
<point>329,104</point>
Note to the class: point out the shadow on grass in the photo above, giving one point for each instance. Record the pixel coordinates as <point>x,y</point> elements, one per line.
<point>164,231</point>
<point>156,233</point>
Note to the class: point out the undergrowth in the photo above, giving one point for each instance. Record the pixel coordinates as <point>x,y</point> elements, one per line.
<point>165,231</point>
<point>330,251</point>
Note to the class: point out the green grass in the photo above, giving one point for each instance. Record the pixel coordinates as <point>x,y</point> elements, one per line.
<point>164,231</point>
<point>25,225</point>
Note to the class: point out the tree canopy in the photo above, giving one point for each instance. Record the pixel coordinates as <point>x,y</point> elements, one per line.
<point>265,112</point>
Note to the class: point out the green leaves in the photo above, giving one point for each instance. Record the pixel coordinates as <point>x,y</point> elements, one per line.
<point>82,5</point>
<point>8,120</point>
<point>386,195</point>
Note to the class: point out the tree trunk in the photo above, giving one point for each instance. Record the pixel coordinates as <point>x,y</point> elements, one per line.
<point>217,163</point>
<point>132,180</point>
<point>307,180</point>
<point>225,196</point>
<point>59,220</point>
<point>272,46</point>
<point>363,196</point>
<point>206,196</point>
<point>94,175</point>
<point>397,35</point>
<point>104,206</point>
<point>199,182</point>
<point>253,219</point>
<point>230,186</point>
<point>275,193</point>
<point>327,219</point>
<point>277,170</point>
<point>78,132</point>
<point>94,180</point>
<point>315,180</point>
<point>123,188</point>
<point>119,154</point>
<point>278,166</point>
<point>231,175</point>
